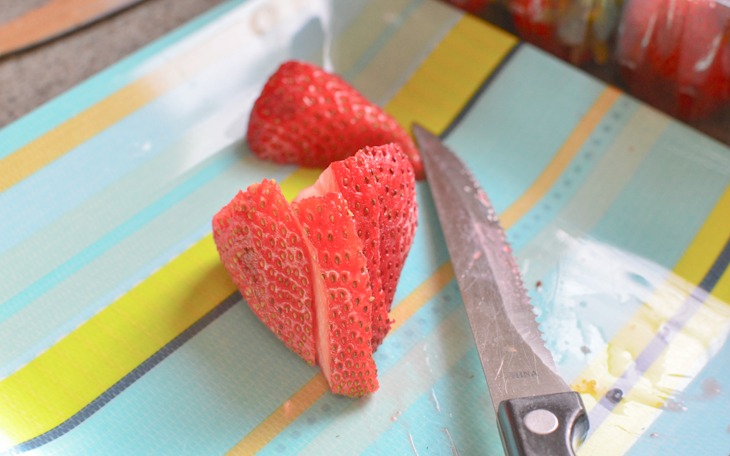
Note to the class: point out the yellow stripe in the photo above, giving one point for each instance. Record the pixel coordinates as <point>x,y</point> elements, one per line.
<point>80,367</point>
<point>47,148</point>
<point>684,356</point>
<point>432,96</point>
<point>565,155</point>
<point>421,295</point>
<point>672,372</point>
<point>314,389</point>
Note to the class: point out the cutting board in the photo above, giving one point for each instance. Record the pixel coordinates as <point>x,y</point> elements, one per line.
<point>120,332</point>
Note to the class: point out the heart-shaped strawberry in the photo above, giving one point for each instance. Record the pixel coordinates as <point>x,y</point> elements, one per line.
<point>307,116</point>
<point>321,273</point>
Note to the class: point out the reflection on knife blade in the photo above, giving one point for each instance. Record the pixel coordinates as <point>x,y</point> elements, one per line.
<point>537,412</point>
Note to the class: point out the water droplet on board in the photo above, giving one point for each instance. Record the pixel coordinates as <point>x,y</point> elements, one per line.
<point>710,388</point>
<point>674,405</point>
<point>615,395</point>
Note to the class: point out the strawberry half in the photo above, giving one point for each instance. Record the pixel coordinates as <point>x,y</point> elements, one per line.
<point>321,273</point>
<point>309,117</point>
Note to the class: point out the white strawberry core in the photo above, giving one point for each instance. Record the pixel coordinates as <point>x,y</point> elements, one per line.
<point>321,317</point>
<point>325,184</point>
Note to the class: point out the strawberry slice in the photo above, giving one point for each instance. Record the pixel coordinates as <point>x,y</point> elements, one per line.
<point>264,248</point>
<point>321,273</point>
<point>378,184</point>
<point>309,117</point>
<point>343,295</point>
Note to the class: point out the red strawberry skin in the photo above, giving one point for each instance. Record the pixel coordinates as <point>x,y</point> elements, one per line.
<point>307,116</point>
<point>321,272</point>
<point>344,295</point>
<point>262,245</point>
<point>379,182</point>
<point>379,187</point>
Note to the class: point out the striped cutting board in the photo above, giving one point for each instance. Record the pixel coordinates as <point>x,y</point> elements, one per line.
<point>120,332</point>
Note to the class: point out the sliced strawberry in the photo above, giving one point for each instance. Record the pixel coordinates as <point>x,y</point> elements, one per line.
<point>309,117</point>
<point>321,273</point>
<point>343,295</point>
<point>264,249</point>
<point>378,185</point>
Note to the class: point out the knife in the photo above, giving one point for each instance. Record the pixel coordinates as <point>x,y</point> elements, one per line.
<point>537,413</point>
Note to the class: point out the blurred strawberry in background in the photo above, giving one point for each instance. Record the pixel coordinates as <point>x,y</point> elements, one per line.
<point>673,54</point>
<point>579,31</point>
<point>676,54</point>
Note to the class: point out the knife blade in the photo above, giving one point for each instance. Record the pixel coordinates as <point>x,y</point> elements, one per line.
<point>537,413</point>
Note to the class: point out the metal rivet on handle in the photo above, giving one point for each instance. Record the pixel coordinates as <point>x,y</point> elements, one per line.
<point>541,421</point>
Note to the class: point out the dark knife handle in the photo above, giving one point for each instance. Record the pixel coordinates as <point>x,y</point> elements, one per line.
<point>549,425</point>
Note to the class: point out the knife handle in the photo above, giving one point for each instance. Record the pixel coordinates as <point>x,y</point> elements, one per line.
<point>549,425</point>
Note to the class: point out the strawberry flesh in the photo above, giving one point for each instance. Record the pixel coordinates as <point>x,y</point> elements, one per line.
<point>307,116</point>
<point>344,297</point>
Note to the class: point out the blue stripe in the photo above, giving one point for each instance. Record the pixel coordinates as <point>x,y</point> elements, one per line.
<point>571,180</point>
<point>670,196</point>
<point>111,154</point>
<point>372,51</point>
<point>506,140</point>
<point>126,381</point>
<point>113,237</point>
<point>661,340</point>
<point>703,427</point>
<point>455,417</point>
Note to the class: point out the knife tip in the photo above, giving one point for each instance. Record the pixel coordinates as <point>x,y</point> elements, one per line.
<point>422,135</point>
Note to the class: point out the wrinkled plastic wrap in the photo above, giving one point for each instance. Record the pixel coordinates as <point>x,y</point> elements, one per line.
<point>676,55</point>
